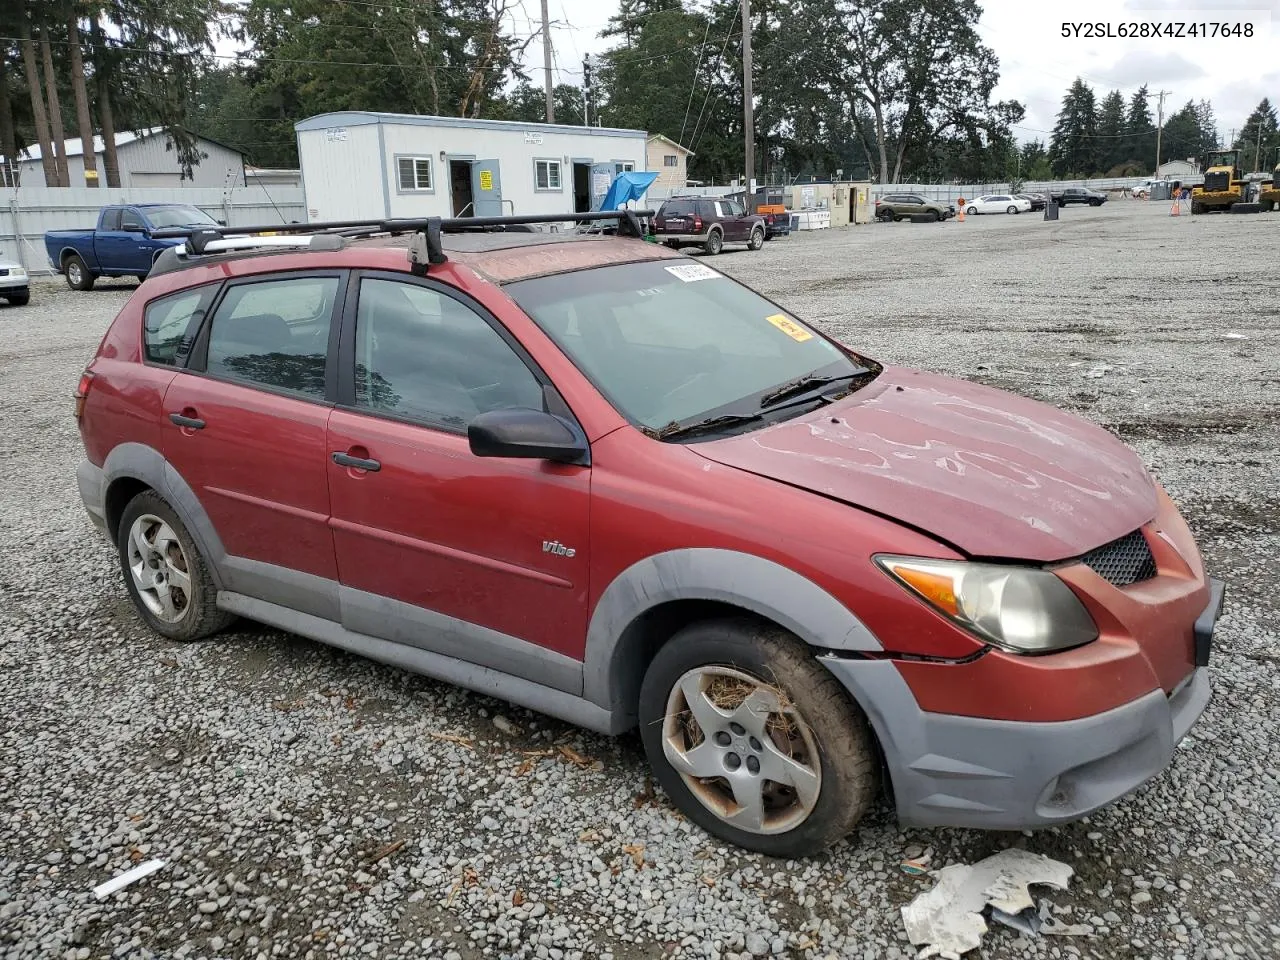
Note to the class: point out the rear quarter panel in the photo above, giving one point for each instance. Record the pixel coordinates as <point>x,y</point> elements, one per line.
<point>81,241</point>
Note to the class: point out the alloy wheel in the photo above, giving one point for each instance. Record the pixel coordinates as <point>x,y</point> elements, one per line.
<point>742,748</point>
<point>159,567</point>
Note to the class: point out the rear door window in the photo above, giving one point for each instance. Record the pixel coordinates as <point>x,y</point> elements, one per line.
<point>275,334</point>
<point>170,325</point>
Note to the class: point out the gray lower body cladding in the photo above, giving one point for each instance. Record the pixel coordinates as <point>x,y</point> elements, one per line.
<point>960,771</point>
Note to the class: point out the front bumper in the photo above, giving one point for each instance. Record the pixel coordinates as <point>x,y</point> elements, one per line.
<point>13,284</point>
<point>957,771</point>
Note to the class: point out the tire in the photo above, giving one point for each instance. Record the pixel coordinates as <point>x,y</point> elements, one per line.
<point>1267,205</point>
<point>1246,208</point>
<point>1095,203</point>
<point>725,659</point>
<point>1197,207</point>
<point>19,299</point>
<point>757,239</point>
<point>932,217</point>
<point>152,540</point>
<point>972,211</point>
<point>78,275</point>
<point>715,243</point>
<point>1011,209</point>
<point>886,215</point>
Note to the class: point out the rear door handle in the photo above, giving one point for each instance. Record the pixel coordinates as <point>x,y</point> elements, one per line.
<point>356,463</point>
<point>191,423</point>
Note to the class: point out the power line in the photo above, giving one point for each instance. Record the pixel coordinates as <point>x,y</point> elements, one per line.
<point>696,137</point>
<point>693,82</point>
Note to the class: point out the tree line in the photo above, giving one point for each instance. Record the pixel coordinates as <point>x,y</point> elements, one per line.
<point>1115,137</point>
<point>889,90</point>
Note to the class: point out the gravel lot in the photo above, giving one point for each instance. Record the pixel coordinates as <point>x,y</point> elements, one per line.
<point>312,804</point>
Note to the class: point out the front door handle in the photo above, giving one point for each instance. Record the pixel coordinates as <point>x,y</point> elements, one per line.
<point>355,463</point>
<point>190,423</point>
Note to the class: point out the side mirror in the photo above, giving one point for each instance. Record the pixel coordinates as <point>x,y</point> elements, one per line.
<point>527,434</point>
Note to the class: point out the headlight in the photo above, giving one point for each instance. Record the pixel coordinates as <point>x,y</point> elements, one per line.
<point>1022,609</point>
<point>17,272</point>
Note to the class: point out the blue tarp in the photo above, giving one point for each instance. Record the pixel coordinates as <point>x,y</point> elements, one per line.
<point>627,186</point>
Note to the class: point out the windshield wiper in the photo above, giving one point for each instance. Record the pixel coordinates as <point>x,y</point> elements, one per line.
<point>804,385</point>
<point>677,429</point>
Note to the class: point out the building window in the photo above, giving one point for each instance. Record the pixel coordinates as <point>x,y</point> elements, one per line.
<point>413,173</point>
<point>671,160</point>
<point>546,174</point>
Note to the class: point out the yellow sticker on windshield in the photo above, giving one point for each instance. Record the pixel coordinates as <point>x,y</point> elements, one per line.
<point>792,329</point>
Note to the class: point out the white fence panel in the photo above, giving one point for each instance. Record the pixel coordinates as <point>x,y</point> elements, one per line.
<point>27,212</point>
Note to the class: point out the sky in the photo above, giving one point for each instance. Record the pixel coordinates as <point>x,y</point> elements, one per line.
<point>1037,63</point>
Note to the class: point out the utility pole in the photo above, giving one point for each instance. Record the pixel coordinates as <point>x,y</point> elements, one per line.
<point>586,90</point>
<point>546,63</point>
<point>1257,153</point>
<point>748,108</point>
<point>1159,124</point>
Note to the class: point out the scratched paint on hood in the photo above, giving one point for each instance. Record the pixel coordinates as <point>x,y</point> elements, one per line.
<point>995,474</point>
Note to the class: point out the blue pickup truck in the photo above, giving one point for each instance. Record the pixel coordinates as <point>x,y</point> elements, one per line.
<point>122,244</point>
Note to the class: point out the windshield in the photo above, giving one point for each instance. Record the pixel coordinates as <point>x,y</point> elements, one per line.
<point>673,341</point>
<point>178,216</point>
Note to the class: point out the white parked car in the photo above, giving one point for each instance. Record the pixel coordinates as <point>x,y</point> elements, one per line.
<point>998,203</point>
<point>15,286</point>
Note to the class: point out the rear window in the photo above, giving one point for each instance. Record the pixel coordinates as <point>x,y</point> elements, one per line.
<point>677,208</point>
<point>170,325</point>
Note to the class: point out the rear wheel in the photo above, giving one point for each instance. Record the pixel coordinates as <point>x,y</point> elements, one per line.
<point>715,243</point>
<point>1095,203</point>
<point>1246,208</point>
<point>885,215</point>
<point>165,574</point>
<point>78,275</point>
<point>755,741</point>
<point>757,239</point>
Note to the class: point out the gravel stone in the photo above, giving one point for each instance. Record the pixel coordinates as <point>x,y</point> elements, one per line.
<point>305,805</point>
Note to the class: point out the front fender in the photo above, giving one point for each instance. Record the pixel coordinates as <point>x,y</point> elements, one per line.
<point>797,604</point>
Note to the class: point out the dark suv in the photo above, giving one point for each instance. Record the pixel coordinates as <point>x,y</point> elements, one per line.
<point>610,483</point>
<point>1080,195</point>
<point>708,222</point>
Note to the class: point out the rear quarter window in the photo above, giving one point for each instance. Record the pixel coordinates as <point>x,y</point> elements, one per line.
<point>170,325</point>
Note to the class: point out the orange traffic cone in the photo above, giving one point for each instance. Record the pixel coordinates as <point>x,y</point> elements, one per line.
<point>1176,209</point>
<point>960,210</point>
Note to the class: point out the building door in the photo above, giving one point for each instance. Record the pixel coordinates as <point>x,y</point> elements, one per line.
<point>601,177</point>
<point>486,188</point>
<point>460,188</point>
<point>582,186</point>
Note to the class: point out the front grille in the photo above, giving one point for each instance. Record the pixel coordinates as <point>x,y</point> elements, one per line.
<point>1217,181</point>
<point>1124,561</point>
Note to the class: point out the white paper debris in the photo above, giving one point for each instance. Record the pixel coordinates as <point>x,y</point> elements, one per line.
<point>104,890</point>
<point>948,921</point>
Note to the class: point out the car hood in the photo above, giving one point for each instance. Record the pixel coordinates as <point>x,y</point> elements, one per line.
<point>991,473</point>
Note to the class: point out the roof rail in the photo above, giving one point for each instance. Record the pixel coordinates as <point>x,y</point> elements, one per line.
<point>424,249</point>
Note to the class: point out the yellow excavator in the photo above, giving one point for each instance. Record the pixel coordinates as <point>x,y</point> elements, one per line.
<point>1223,186</point>
<point>1269,191</point>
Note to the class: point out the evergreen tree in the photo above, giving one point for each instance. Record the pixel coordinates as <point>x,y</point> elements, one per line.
<point>1259,139</point>
<point>1113,151</point>
<point>1074,148</point>
<point>1140,126</point>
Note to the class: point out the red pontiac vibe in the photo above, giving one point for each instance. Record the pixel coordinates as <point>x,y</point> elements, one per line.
<point>592,476</point>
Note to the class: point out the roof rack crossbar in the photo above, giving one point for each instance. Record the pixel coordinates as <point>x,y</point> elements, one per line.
<point>425,249</point>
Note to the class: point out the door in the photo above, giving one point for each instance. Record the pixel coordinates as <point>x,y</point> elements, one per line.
<point>914,204</point>
<point>737,225</point>
<point>129,251</point>
<point>460,188</point>
<point>484,559</point>
<point>486,188</point>
<point>245,427</point>
<point>601,179</point>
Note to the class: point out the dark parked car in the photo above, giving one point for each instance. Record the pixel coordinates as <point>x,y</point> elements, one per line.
<point>1080,195</point>
<point>1038,201</point>
<point>707,222</point>
<point>122,243</point>
<point>608,482</point>
<point>912,206</point>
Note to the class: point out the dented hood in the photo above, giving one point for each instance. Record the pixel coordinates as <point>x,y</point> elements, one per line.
<point>993,474</point>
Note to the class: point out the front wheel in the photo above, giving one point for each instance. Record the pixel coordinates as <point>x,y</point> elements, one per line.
<point>715,243</point>
<point>754,740</point>
<point>757,239</point>
<point>1011,209</point>
<point>972,211</point>
<point>78,275</point>
<point>1095,203</point>
<point>166,576</point>
<point>933,216</point>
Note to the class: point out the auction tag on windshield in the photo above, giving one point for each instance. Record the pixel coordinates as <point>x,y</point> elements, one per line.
<point>792,329</point>
<point>689,272</point>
